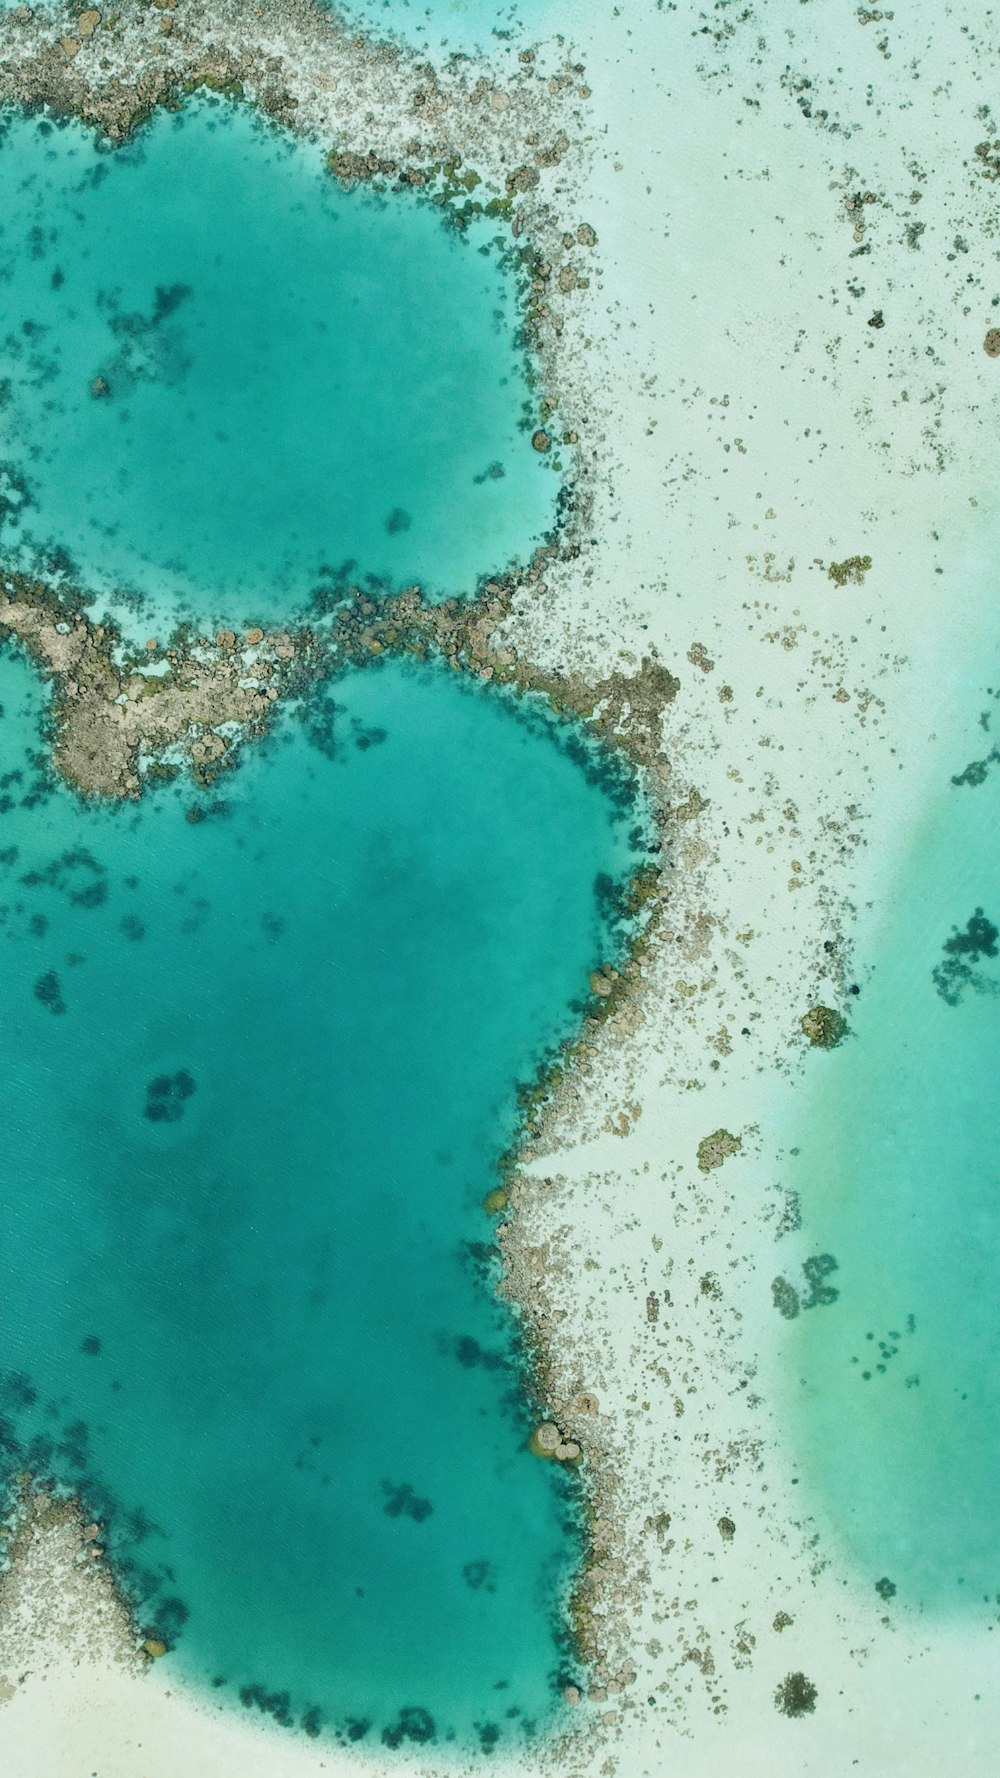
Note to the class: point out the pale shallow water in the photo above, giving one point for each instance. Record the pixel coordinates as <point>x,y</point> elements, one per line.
<point>443,26</point>
<point>896,1382</point>
<point>260,1067</point>
<point>297,379</point>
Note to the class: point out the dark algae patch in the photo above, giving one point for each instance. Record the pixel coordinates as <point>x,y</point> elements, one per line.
<point>962,951</point>
<point>816,1291</point>
<point>166,1096</point>
<point>819,1293</point>
<point>796,1696</point>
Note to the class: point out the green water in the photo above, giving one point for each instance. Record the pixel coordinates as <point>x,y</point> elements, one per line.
<point>896,1408</point>
<point>224,381</point>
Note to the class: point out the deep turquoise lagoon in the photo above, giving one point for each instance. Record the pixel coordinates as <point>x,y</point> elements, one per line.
<point>895,1384</point>
<point>260,1047</point>
<point>222,378</point>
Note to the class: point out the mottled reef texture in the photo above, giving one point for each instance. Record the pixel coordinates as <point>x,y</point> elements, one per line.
<point>475,141</point>
<point>204,696</point>
<point>472,142</point>
<point>109,719</point>
<point>55,1586</point>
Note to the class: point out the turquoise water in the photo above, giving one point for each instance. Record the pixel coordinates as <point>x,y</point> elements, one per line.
<point>260,1049</point>
<point>290,378</point>
<point>897,1411</point>
<point>467,25</point>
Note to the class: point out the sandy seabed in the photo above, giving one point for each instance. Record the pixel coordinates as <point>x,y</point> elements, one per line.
<point>782,348</point>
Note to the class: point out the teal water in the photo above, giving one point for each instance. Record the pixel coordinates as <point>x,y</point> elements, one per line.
<point>896,1410</point>
<point>260,1049</point>
<point>297,378</point>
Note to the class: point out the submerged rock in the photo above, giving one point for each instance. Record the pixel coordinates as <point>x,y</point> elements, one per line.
<point>546,1439</point>
<point>850,572</point>
<point>713,1149</point>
